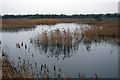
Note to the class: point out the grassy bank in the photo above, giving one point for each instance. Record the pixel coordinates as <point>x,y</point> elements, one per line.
<point>27,23</point>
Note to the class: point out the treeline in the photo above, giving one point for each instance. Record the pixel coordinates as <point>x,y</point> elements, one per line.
<point>39,16</point>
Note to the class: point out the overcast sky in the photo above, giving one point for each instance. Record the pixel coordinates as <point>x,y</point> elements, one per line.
<point>58,6</point>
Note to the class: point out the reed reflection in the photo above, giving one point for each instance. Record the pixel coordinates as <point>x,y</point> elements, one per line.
<point>58,43</point>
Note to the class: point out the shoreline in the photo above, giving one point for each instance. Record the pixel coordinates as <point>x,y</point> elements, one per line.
<point>29,23</point>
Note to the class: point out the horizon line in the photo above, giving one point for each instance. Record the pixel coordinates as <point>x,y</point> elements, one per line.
<point>61,14</point>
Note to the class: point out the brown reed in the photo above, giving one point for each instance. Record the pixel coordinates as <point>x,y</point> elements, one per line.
<point>105,30</point>
<point>57,37</point>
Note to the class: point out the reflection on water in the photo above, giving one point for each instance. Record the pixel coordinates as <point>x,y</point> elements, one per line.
<point>86,58</point>
<point>88,48</point>
<point>56,50</point>
<point>18,30</point>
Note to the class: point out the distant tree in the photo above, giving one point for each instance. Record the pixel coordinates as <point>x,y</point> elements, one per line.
<point>98,17</point>
<point>38,16</point>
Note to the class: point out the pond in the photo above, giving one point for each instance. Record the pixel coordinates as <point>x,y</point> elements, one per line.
<point>100,58</point>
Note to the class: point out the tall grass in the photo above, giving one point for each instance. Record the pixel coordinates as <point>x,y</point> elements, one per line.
<point>105,30</point>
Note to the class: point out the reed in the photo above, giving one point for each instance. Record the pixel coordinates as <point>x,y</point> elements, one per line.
<point>57,37</point>
<point>44,38</point>
<point>106,30</point>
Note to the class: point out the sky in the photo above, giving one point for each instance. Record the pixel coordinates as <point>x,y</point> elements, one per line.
<point>68,7</point>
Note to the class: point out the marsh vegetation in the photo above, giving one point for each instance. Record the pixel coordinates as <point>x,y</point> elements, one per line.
<point>61,48</point>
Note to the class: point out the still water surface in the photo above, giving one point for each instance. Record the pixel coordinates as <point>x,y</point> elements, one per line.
<point>100,58</point>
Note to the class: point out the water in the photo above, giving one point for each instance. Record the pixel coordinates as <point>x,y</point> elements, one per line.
<point>100,58</point>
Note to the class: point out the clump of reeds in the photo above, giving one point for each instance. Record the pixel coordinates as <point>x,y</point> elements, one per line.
<point>107,31</point>
<point>57,41</point>
<point>8,70</point>
<point>57,37</point>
